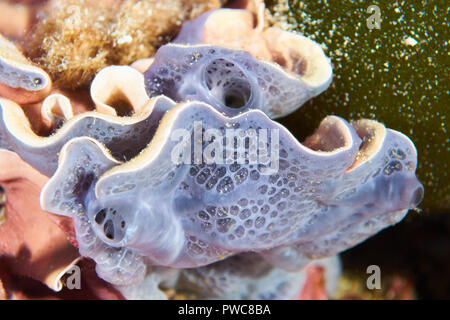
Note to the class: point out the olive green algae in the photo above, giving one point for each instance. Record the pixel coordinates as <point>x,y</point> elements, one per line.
<point>397,74</point>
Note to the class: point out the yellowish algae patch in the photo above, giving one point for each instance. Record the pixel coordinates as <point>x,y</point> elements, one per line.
<point>397,74</point>
<point>74,39</point>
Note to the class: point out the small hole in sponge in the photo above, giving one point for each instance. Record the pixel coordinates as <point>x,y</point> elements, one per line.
<point>37,81</point>
<point>100,216</point>
<point>122,224</point>
<point>121,104</point>
<point>108,228</point>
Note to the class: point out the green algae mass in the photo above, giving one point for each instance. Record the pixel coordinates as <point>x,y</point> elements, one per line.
<point>397,74</point>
